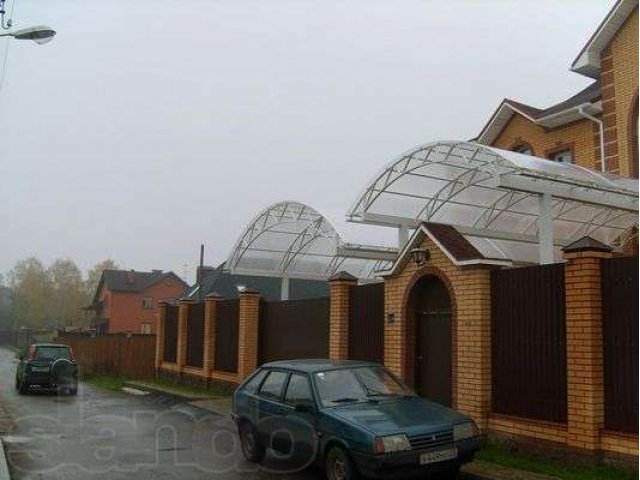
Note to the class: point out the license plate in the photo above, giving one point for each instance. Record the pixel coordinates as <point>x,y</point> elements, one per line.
<point>40,369</point>
<point>438,456</point>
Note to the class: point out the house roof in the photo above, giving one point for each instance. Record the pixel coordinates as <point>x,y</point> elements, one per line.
<point>558,114</point>
<point>588,60</point>
<point>457,247</point>
<point>132,281</point>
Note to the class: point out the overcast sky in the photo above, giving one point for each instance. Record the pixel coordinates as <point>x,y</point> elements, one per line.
<point>149,126</point>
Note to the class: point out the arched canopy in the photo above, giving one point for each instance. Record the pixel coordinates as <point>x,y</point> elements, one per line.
<point>292,240</point>
<point>496,196</point>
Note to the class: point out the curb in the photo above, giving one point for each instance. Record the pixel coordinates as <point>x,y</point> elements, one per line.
<point>4,466</point>
<point>160,391</point>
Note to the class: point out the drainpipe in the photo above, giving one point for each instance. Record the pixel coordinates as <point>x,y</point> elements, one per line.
<point>601,128</point>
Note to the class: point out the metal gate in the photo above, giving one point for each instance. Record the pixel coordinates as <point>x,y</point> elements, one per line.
<point>226,341</point>
<point>171,334</point>
<point>620,348</point>
<point>366,322</point>
<point>294,329</point>
<point>195,335</point>
<point>529,366</point>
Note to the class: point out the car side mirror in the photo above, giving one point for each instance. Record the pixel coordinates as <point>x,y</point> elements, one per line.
<point>303,407</point>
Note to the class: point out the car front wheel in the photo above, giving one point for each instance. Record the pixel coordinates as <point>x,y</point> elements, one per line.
<point>339,465</point>
<point>251,449</point>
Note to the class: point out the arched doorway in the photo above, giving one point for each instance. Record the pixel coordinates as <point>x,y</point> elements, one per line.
<point>429,305</point>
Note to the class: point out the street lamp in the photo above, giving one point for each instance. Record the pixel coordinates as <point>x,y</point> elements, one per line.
<point>40,34</point>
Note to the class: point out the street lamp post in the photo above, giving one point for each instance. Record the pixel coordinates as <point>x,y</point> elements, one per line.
<point>39,34</point>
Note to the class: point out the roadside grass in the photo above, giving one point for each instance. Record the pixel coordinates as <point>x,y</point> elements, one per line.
<point>115,383</point>
<point>188,389</point>
<point>108,382</point>
<point>499,454</point>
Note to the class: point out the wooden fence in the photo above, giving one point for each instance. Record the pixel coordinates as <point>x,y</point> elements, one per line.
<point>195,335</point>
<point>529,360</point>
<point>171,334</point>
<point>620,349</point>
<point>366,322</point>
<point>226,336</point>
<point>130,356</point>
<point>293,329</point>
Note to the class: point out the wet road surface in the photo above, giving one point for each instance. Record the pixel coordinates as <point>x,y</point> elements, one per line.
<point>112,435</point>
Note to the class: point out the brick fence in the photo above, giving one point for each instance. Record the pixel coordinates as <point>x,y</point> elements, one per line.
<point>571,332</point>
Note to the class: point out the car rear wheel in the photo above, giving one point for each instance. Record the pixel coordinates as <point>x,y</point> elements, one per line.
<point>251,449</point>
<point>339,466</point>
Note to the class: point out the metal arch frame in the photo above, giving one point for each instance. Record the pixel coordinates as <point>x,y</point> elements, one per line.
<point>311,227</point>
<point>559,191</point>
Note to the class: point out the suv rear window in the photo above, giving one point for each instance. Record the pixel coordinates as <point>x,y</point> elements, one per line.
<point>52,353</point>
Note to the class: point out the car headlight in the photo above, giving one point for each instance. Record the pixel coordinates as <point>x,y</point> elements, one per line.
<point>392,443</point>
<point>465,430</point>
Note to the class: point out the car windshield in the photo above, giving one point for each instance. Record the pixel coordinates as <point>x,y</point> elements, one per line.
<point>52,353</point>
<point>358,384</point>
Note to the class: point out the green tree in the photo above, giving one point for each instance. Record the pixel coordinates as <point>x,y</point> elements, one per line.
<point>68,293</point>
<point>30,294</point>
<point>94,274</point>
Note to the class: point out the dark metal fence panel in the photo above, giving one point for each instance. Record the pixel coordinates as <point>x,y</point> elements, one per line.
<point>226,341</point>
<point>294,329</point>
<point>366,322</point>
<point>620,348</point>
<point>529,366</point>
<point>195,335</point>
<point>171,334</point>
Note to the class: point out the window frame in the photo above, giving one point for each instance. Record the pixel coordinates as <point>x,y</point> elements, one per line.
<point>516,147</point>
<point>559,148</point>
<point>313,402</point>
<point>144,299</point>
<point>285,383</point>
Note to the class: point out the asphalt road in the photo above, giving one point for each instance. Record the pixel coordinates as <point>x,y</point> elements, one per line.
<point>111,435</point>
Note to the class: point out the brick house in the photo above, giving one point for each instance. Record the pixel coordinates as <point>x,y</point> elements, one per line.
<point>601,119</point>
<point>126,300</point>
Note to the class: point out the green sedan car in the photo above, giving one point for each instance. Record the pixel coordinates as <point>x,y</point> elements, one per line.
<point>352,417</point>
<point>47,367</point>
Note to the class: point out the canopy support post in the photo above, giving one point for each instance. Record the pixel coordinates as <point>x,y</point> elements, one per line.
<point>545,228</point>
<point>403,236</point>
<point>284,288</point>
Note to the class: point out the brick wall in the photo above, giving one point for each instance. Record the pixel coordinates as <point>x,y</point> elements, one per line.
<point>619,78</point>
<point>581,136</point>
<point>469,291</point>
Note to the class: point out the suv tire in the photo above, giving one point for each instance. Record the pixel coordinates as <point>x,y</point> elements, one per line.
<point>251,448</point>
<point>338,465</point>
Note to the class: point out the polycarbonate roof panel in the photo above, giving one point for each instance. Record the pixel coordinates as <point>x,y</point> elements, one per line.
<point>293,240</point>
<point>465,184</point>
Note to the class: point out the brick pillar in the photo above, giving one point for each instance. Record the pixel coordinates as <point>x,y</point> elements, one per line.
<point>248,333</point>
<point>162,317</point>
<point>585,369</point>
<point>210,312</point>
<point>183,318</point>
<point>339,286</point>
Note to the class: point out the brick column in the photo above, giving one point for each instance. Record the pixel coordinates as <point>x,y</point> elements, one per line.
<point>183,318</point>
<point>162,317</point>
<point>339,286</point>
<point>210,312</point>
<point>248,333</point>
<point>585,369</point>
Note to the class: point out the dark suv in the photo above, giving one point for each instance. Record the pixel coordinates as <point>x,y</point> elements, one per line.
<point>47,366</point>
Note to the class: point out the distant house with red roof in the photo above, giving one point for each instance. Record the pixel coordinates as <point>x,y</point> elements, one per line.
<point>126,300</point>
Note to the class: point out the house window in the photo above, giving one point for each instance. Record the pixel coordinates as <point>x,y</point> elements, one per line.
<point>563,156</point>
<point>524,149</point>
<point>145,328</point>
<point>147,303</point>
